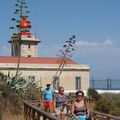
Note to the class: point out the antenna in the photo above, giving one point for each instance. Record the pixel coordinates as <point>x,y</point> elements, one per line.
<point>35,32</point>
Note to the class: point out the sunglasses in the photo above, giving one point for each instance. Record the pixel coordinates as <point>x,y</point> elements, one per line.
<point>79,96</point>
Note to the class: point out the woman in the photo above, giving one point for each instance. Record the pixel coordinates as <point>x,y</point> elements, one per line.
<point>79,108</point>
<point>60,102</point>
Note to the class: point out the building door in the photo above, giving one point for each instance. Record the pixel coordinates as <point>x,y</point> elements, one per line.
<point>78,83</point>
<point>55,83</point>
<point>32,78</point>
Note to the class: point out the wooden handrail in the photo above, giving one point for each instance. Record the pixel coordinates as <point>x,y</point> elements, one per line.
<point>102,116</point>
<point>32,112</point>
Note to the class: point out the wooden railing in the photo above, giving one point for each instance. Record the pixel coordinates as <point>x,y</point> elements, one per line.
<point>33,112</point>
<point>102,116</point>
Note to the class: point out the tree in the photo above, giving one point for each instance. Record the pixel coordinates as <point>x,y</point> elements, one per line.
<point>93,94</point>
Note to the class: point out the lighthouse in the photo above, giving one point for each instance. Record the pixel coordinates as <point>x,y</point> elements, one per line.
<point>24,44</point>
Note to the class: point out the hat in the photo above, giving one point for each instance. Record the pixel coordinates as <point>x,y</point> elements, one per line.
<point>47,84</point>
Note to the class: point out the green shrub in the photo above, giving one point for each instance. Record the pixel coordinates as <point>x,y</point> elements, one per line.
<point>115,111</point>
<point>117,103</point>
<point>93,94</point>
<point>103,105</point>
<point>109,103</point>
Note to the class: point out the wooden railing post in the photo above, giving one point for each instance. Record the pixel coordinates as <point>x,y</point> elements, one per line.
<point>38,116</point>
<point>33,114</point>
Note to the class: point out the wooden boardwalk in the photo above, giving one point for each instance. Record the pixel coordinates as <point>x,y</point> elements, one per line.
<point>33,111</point>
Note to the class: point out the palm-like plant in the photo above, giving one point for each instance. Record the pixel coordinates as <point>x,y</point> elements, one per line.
<point>20,12</point>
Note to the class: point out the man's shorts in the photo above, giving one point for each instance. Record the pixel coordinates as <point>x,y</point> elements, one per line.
<point>61,110</point>
<point>48,104</point>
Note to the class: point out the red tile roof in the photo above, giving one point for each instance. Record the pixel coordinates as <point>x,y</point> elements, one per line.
<point>34,60</point>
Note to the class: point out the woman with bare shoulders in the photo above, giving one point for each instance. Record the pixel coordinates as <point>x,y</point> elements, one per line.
<point>79,107</point>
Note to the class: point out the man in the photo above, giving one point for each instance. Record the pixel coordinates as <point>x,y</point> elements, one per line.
<point>60,102</point>
<point>48,98</point>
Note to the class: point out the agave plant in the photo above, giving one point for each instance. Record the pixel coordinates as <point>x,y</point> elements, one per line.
<point>18,85</point>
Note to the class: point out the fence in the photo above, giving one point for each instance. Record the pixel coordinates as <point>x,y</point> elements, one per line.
<point>105,84</point>
<point>102,116</point>
<point>33,112</point>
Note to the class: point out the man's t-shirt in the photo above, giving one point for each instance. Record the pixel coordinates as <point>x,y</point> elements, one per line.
<point>48,95</point>
<point>60,100</point>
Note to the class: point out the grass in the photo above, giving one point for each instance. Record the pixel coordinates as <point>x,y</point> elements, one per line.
<point>8,116</point>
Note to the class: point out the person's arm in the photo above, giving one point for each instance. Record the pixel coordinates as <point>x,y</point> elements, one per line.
<point>72,111</point>
<point>54,104</point>
<point>87,112</point>
<point>66,101</point>
<point>42,96</point>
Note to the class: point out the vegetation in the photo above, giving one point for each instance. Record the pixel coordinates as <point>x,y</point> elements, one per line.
<point>15,89</point>
<point>109,103</point>
<point>65,54</point>
<point>21,10</point>
<point>93,94</point>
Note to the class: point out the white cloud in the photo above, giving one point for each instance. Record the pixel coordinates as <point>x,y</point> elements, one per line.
<point>4,48</point>
<point>103,57</point>
<point>85,43</point>
<point>5,51</point>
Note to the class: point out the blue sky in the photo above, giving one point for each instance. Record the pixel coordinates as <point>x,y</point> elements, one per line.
<point>95,23</point>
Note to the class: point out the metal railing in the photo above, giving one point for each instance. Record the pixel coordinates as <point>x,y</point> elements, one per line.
<point>105,84</point>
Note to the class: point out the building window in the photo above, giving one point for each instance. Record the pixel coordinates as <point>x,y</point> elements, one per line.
<point>55,82</point>
<point>29,46</point>
<point>29,55</point>
<point>32,78</point>
<point>78,83</point>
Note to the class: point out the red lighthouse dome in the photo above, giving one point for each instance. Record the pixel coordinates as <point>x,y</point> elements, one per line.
<point>25,26</point>
<point>25,23</point>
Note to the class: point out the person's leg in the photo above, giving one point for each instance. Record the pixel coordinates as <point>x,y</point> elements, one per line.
<point>62,116</point>
<point>51,107</point>
<point>46,107</point>
<point>63,112</point>
<point>57,112</point>
<point>51,110</point>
